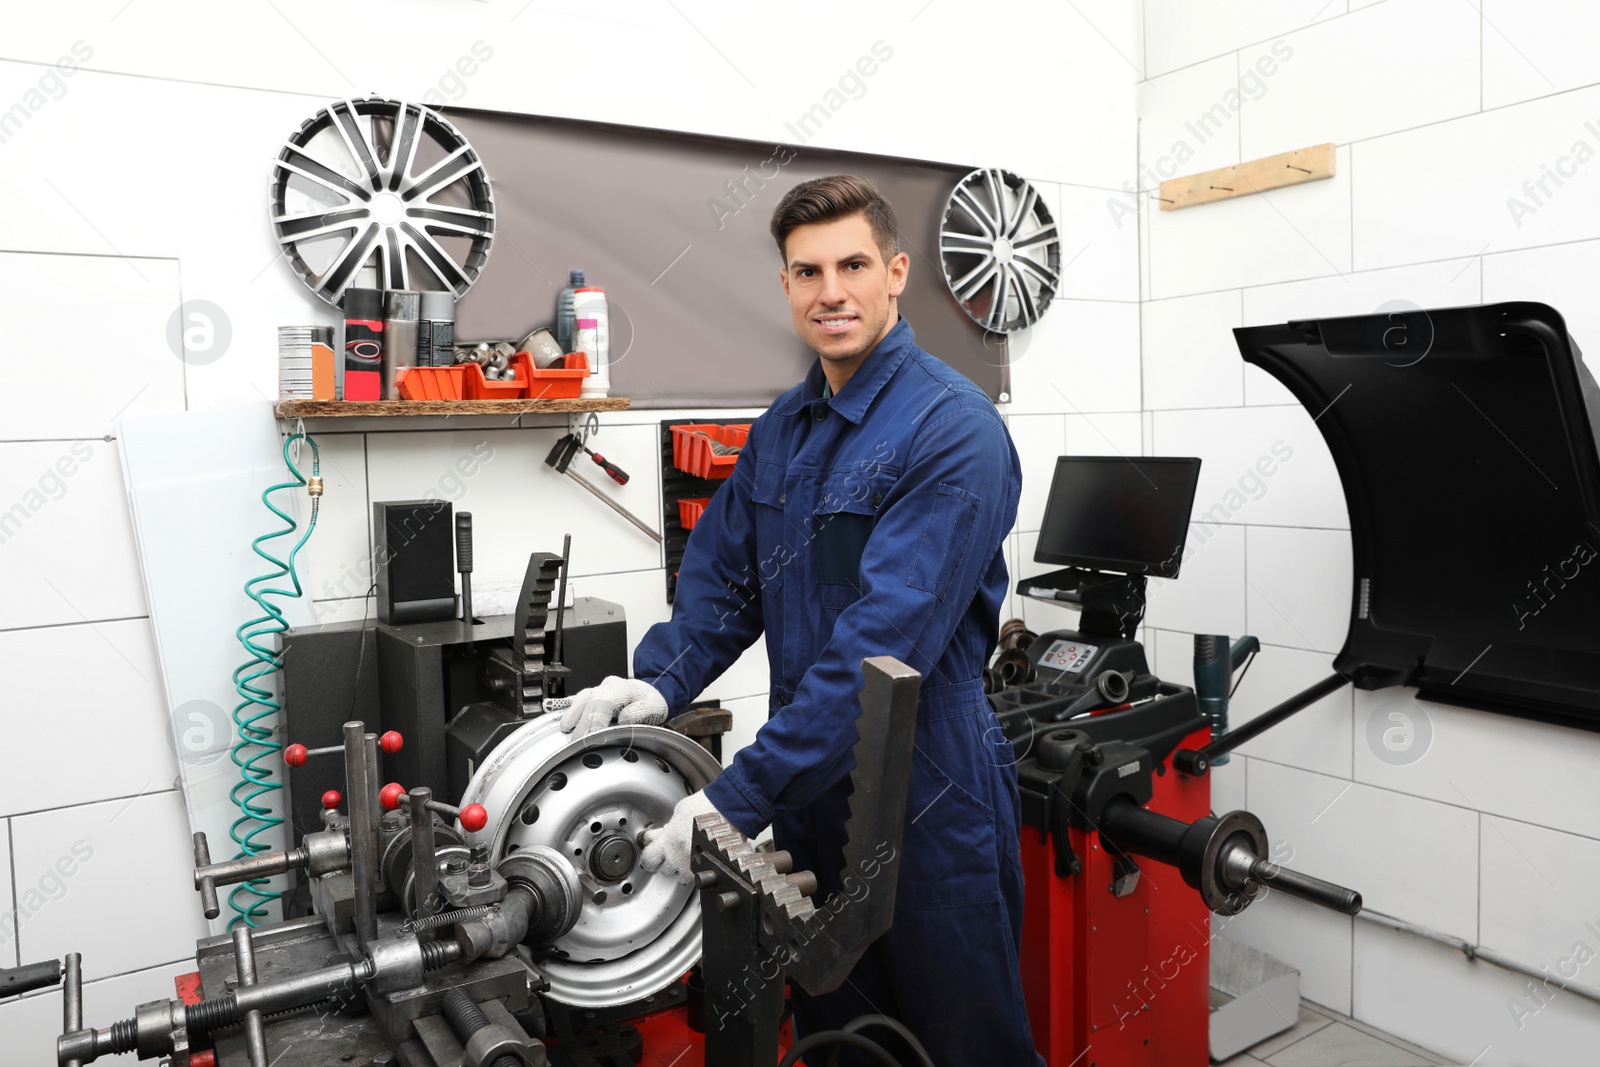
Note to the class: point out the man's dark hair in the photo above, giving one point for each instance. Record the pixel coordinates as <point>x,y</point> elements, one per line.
<point>837,196</point>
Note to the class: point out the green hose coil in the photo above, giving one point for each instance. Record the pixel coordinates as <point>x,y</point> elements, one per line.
<point>255,752</point>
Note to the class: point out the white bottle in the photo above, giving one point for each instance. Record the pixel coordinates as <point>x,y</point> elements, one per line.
<point>593,339</point>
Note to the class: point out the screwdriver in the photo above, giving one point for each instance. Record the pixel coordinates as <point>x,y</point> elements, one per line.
<point>618,475</point>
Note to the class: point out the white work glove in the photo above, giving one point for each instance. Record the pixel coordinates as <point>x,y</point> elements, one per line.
<point>624,700</point>
<point>667,847</point>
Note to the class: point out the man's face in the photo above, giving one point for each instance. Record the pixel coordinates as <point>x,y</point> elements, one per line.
<point>841,293</point>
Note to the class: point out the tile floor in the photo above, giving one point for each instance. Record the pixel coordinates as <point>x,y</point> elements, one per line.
<point>1322,1037</point>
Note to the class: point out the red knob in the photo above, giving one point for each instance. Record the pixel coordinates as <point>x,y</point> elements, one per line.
<point>331,800</point>
<point>295,755</point>
<point>474,818</point>
<point>391,741</point>
<point>391,795</point>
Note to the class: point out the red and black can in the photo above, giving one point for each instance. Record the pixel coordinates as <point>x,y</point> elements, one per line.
<point>363,344</point>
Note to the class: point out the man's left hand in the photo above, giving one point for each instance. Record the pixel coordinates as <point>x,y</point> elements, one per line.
<point>667,848</point>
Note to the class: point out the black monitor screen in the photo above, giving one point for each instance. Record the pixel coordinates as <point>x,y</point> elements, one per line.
<point>1129,515</point>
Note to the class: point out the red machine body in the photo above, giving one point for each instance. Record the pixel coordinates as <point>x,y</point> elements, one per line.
<point>1124,979</point>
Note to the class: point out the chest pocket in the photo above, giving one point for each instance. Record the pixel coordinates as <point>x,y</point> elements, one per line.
<point>846,514</point>
<point>772,549</point>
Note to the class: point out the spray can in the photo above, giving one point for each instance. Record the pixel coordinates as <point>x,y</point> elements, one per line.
<point>399,339</point>
<point>363,344</point>
<point>566,318</point>
<point>436,330</point>
<point>594,339</point>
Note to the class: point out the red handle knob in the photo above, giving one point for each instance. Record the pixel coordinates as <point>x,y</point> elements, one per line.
<point>391,741</point>
<point>295,755</point>
<point>474,818</point>
<point>331,800</point>
<point>391,796</point>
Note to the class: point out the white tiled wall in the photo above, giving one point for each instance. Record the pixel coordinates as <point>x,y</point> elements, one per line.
<point>136,180</point>
<point>1478,825</point>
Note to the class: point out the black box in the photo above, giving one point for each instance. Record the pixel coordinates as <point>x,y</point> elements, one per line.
<point>414,555</point>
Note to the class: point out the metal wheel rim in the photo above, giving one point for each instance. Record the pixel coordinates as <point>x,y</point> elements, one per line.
<point>347,196</point>
<point>518,771</point>
<point>1000,250</point>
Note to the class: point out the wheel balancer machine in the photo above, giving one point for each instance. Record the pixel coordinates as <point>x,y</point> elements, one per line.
<point>1122,856</point>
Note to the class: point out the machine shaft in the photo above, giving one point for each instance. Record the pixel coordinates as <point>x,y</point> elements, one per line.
<point>255,1031</point>
<point>72,999</point>
<point>360,757</point>
<point>1221,857</point>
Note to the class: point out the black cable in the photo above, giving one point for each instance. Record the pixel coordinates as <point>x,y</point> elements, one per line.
<point>1241,675</point>
<point>828,1038</point>
<point>863,1021</point>
<point>361,652</point>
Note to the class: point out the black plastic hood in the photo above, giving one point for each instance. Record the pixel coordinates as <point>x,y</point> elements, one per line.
<point>1466,441</point>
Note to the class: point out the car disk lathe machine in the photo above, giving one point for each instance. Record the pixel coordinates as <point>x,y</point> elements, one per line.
<point>446,936</point>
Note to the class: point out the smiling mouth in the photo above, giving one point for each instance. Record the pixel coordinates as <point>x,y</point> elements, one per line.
<point>836,323</point>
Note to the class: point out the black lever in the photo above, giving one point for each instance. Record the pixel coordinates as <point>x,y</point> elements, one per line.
<point>15,981</point>
<point>1198,761</point>
<point>464,562</point>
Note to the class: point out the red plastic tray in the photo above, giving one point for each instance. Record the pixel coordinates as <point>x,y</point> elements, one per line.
<point>481,388</point>
<point>558,383</point>
<point>432,383</point>
<point>690,509</point>
<point>692,452</point>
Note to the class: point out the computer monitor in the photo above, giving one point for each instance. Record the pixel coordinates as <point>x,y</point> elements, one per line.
<point>1122,514</point>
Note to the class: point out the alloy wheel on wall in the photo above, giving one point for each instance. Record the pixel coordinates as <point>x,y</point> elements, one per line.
<point>1000,250</point>
<point>386,187</point>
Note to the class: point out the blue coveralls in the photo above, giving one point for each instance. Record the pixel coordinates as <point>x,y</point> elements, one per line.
<point>865,524</point>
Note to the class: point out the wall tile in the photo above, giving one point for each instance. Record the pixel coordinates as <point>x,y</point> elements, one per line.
<point>1421,868</point>
<point>1306,89</point>
<point>1099,245</point>
<point>116,359</point>
<point>82,871</point>
<point>1460,755</point>
<point>1189,121</point>
<point>1536,47</point>
<point>1083,356</point>
<point>337,558</point>
<point>1039,439</point>
<point>1317,738</point>
<point>66,541</point>
<point>1265,465</point>
<point>1537,899</point>
<point>1470,185</point>
<point>8,920</point>
<point>124,740</point>
<point>1190,358</point>
<point>1430,994</point>
<point>1300,587</point>
<point>1179,33</point>
<point>1208,596</point>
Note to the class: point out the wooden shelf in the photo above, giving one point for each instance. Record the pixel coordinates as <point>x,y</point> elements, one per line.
<point>322,409</point>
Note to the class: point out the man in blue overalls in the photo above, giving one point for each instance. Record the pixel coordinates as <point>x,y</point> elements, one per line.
<point>864,518</point>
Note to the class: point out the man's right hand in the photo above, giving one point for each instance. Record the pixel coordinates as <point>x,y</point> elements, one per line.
<point>624,700</point>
